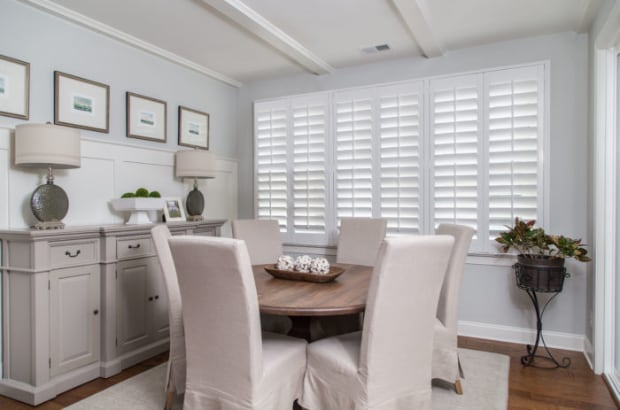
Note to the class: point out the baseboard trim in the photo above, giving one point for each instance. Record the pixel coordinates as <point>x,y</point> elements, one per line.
<point>559,340</point>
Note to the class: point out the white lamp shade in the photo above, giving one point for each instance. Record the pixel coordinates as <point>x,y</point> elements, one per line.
<point>195,163</point>
<point>43,145</point>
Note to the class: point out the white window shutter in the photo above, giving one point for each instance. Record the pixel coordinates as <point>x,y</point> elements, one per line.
<point>515,140</point>
<point>353,131</point>
<point>270,125</point>
<point>309,167</point>
<point>400,140</point>
<point>455,135</point>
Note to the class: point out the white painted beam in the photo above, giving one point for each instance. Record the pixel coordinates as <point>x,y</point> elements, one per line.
<point>416,15</point>
<point>109,31</point>
<point>262,28</point>
<point>586,17</point>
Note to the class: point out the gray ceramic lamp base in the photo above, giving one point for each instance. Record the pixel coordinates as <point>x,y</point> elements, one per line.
<point>49,204</point>
<point>195,204</point>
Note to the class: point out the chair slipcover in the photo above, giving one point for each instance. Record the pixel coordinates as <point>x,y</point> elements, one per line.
<point>358,244</point>
<point>229,364</point>
<point>175,378</point>
<point>359,240</point>
<point>387,365</point>
<point>445,356</point>
<point>262,238</point>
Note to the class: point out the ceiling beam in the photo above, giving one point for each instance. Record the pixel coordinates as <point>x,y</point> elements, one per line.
<point>416,15</point>
<point>75,17</point>
<point>262,28</point>
<point>586,17</point>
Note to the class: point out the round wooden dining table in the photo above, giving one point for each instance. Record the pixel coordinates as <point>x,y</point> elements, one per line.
<point>303,300</point>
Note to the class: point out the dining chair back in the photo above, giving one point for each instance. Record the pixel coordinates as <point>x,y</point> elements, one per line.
<point>359,240</point>
<point>446,364</point>
<point>388,363</point>
<point>175,376</point>
<point>230,365</point>
<point>264,244</point>
<point>262,238</point>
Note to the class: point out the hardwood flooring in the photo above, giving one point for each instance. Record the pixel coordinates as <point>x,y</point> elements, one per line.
<point>530,388</point>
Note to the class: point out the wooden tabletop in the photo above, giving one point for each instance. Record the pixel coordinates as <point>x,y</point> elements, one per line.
<point>345,295</point>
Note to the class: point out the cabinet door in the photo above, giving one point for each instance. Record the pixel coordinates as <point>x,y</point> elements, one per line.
<point>132,288</point>
<point>74,318</point>
<point>142,304</point>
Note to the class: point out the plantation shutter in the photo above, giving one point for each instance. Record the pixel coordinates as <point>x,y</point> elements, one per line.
<point>515,140</point>
<point>309,168</point>
<point>270,125</point>
<point>400,133</point>
<point>455,135</point>
<point>353,117</point>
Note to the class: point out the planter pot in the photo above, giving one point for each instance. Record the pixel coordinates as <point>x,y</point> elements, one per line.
<point>541,274</point>
<point>139,208</point>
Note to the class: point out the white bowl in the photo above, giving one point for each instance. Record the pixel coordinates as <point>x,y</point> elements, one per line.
<point>139,208</point>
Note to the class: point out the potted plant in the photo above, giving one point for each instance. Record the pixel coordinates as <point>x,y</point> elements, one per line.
<point>540,260</point>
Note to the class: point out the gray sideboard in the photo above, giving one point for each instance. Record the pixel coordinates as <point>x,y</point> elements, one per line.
<point>81,303</point>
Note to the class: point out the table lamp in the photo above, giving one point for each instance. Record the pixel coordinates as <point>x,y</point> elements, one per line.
<point>196,163</point>
<point>47,146</point>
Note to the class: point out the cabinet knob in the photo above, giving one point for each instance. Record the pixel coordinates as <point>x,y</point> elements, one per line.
<point>96,312</point>
<point>156,297</point>
<point>134,246</point>
<point>150,298</point>
<point>74,255</point>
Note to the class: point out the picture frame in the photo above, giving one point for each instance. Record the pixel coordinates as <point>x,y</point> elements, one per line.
<point>81,103</point>
<point>193,128</point>
<point>146,117</point>
<point>14,88</point>
<point>173,209</point>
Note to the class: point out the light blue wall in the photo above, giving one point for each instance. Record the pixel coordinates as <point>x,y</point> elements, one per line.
<point>489,296</point>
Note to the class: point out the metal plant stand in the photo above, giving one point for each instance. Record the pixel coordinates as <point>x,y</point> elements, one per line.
<point>542,279</point>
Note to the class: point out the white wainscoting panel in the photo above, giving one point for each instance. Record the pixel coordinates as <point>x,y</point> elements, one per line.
<point>108,170</point>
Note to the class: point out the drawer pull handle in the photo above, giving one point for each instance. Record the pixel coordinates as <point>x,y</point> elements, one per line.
<point>134,246</point>
<point>96,312</point>
<point>74,255</point>
<point>156,297</point>
<point>150,298</point>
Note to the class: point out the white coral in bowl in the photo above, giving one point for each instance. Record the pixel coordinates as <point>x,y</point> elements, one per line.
<point>319,266</point>
<point>286,262</point>
<point>302,263</point>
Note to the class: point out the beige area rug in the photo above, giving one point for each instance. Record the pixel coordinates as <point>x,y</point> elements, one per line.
<point>485,388</point>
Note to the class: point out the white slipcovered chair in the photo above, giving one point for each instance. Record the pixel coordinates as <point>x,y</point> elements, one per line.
<point>358,243</point>
<point>359,240</point>
<point>262,238</point>
<point>175,377</point>
<point>230,365</point>
<point>446,365</point>
<point>386,365</point>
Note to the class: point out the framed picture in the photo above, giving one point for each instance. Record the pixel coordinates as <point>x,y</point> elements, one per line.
<point>193,128</point>
<point>173,209</point>
<point>146,118</point>
<point>14,88</point>
<point>81,103</point>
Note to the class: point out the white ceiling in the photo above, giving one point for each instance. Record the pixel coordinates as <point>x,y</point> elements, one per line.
<point>239,41</point>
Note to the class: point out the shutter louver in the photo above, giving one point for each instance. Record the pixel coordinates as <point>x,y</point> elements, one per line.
<point>455,136</point>
<point>271,163</point>
<point>515,134</point>
<point>400,132</point>
<point>353,152</point>
<point>309,167</point>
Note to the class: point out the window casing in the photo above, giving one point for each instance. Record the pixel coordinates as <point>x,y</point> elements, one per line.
<point>465,149</point>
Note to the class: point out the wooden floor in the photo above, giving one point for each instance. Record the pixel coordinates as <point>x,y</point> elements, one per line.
<point>530,388</point>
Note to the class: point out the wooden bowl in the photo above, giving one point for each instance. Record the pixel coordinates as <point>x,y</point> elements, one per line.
<point>334,272</point>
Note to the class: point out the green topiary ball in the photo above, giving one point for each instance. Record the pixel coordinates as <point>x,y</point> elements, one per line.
<point>128,195</point>
<point>142,192</point>
<point>155,194</point>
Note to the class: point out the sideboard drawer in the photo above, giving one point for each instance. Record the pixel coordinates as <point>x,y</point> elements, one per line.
<point>131,248</point>
<point>72,253</point>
